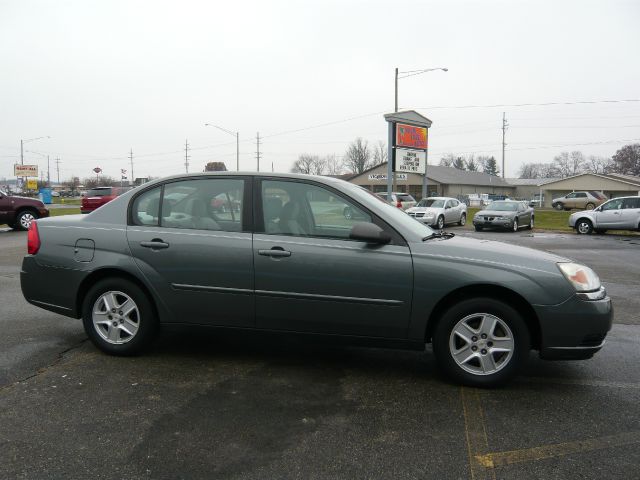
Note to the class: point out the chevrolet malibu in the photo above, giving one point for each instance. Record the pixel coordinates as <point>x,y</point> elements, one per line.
<point>283,257</point>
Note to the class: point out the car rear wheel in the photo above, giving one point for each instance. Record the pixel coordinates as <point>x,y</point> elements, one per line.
<point>118,317</point>
<point>584,227</point>
<point>481,342</point>
<point>440,223</point>
<point>590,206</point>
<point>558,206</point>
<point>463,220</point>
<point>24,219</point>
<point>530,226</point>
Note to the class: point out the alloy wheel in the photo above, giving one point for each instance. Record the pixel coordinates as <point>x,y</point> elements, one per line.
<point>26,219</point>
<point>481,344</point>
<point>440,223</point>
<point>584,227</point>
<point>115,317</point>
<point>463,219</point>
<point>515,224</point>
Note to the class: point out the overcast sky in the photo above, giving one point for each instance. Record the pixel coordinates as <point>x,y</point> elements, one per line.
<point>101,77</point>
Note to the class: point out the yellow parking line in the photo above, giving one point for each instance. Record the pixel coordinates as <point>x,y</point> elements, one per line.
<point>491,460</point>
<point>477,442</point>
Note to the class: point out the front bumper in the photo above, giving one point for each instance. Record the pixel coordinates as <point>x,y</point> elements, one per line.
<point>575,329</point>
<point>426,220</point>
<point>492,222</point>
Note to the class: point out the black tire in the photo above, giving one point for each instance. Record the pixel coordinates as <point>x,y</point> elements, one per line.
<point>463,220</point>
<point>478,228</point>
<point>440,223</point>
<point>590,206</point>
<point>146,318</point>
<point>514,229</point>
<point>24,219</point>
<point>473,308</point>
<point>531,223</point>
<point>558,206</point>
<point>584,227</point>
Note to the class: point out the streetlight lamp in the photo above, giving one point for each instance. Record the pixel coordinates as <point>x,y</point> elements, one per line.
<point>235,134</point>
<point>22,142</point>
<point>411,73</point>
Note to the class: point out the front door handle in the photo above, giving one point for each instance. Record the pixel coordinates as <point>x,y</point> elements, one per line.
<point>155,244</point>
<point>276,252</point>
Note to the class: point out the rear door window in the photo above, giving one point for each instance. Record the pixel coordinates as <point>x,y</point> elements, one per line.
<point>631,203</point>
<point>99,192</point>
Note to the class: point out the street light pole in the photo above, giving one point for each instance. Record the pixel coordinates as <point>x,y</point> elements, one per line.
<point>235,134</point>
<point>411,73</point>
<point>22,142</point>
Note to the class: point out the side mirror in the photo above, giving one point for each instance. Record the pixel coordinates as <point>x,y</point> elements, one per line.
<point>370,233</point>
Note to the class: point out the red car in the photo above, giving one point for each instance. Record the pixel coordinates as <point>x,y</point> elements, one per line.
<point>19,212</point>
<point>96,197</point>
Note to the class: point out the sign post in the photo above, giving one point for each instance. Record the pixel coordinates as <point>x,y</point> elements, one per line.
<point>408,145</point>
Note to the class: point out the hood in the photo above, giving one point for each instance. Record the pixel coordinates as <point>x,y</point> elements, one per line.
<point>23,200</point>
<point>496,213</point>
<point>491,252</point>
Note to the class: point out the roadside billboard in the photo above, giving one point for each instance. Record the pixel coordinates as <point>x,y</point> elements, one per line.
<point>410,136</point>
<point>25,170</point>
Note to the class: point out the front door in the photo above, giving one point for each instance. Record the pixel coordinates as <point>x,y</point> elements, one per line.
<point>190,240</point>
<point>610,214</point>
<point>310,277</point>
<point>6,208</point>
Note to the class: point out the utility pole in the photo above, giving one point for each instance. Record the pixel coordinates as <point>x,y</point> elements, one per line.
<point>131,160</point>
<point>48,173</point>
<point>186,156</point>
<point>58,168</point>
<point>504,130</point>
<point>258,149</point>
<point>396,102</point>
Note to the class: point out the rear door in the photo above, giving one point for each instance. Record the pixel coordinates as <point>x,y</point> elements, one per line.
<point>310,277</point>
<point>630,215</point>
<point>6,208</point>
<point>192,240</point>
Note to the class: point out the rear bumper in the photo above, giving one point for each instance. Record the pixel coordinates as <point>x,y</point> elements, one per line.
<point>575,329</point>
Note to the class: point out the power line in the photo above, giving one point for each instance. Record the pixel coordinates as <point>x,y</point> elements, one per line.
<point>515,105</point>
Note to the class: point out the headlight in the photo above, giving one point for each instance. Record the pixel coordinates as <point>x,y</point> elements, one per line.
<point>581,277</point>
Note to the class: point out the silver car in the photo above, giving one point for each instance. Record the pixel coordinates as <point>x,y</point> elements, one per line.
<point>616,214</point>
<point>439,211</point>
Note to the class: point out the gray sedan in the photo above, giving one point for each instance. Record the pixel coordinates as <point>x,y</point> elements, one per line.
<point>505,214</point>
<point>282,257</point>
<point>616,214</point>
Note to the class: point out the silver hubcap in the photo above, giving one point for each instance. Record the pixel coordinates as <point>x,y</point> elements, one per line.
<point>515,225</point>
<point>463,219</point>
<point>116,317</point>
<point>441,223</point>
<point>26,219</point>
<point>481,344</point>
<point>583,227</point>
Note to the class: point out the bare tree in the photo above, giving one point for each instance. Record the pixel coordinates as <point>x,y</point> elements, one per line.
<point>597,164</point>
<point>459,163</point>
<point>304,164</point>
<point>380,153</point>
<point>569,164</point>
<point>334,165</point>
<point>447,160</point>
<point>358,156</point>
<point>318,165</point>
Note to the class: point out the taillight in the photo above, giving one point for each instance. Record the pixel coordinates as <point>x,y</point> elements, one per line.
<point>33,239</point>
<point>399,204</point>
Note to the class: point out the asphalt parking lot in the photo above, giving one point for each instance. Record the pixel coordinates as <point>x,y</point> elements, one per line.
<point>212,406</point>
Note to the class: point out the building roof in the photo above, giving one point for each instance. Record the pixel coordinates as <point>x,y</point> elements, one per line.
<point>618,177</point>
<point>450,175</point>
<point>530,181</point>
<point>408,116</point>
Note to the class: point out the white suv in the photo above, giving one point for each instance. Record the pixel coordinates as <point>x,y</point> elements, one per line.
<point>616,214</point>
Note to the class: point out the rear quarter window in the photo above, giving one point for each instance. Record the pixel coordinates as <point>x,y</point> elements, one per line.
<point>99,192</point>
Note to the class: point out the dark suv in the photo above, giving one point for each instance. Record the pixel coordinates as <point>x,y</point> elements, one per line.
<point>19,212</point>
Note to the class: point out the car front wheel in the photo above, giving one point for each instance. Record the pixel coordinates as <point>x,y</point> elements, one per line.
<point>584,227</point>
<point>481,342</point>
<point>559,206</point>
<point>440,223</point>
<point>515,224</point>
<point>118,317</point>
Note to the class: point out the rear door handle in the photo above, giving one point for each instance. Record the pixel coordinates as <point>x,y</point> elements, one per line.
<point>277,252</point>
<point>155,244</point>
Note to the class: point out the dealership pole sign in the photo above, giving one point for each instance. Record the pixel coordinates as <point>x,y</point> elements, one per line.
<point>408,145</point>
<point>25,170</point>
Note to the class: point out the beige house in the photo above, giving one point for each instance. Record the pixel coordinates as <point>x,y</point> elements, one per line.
<point>441,181</point>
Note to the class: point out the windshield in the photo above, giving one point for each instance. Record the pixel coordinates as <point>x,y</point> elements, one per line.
<point>503,206</point>
<point>431,202</point>
<point>2,193</point>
